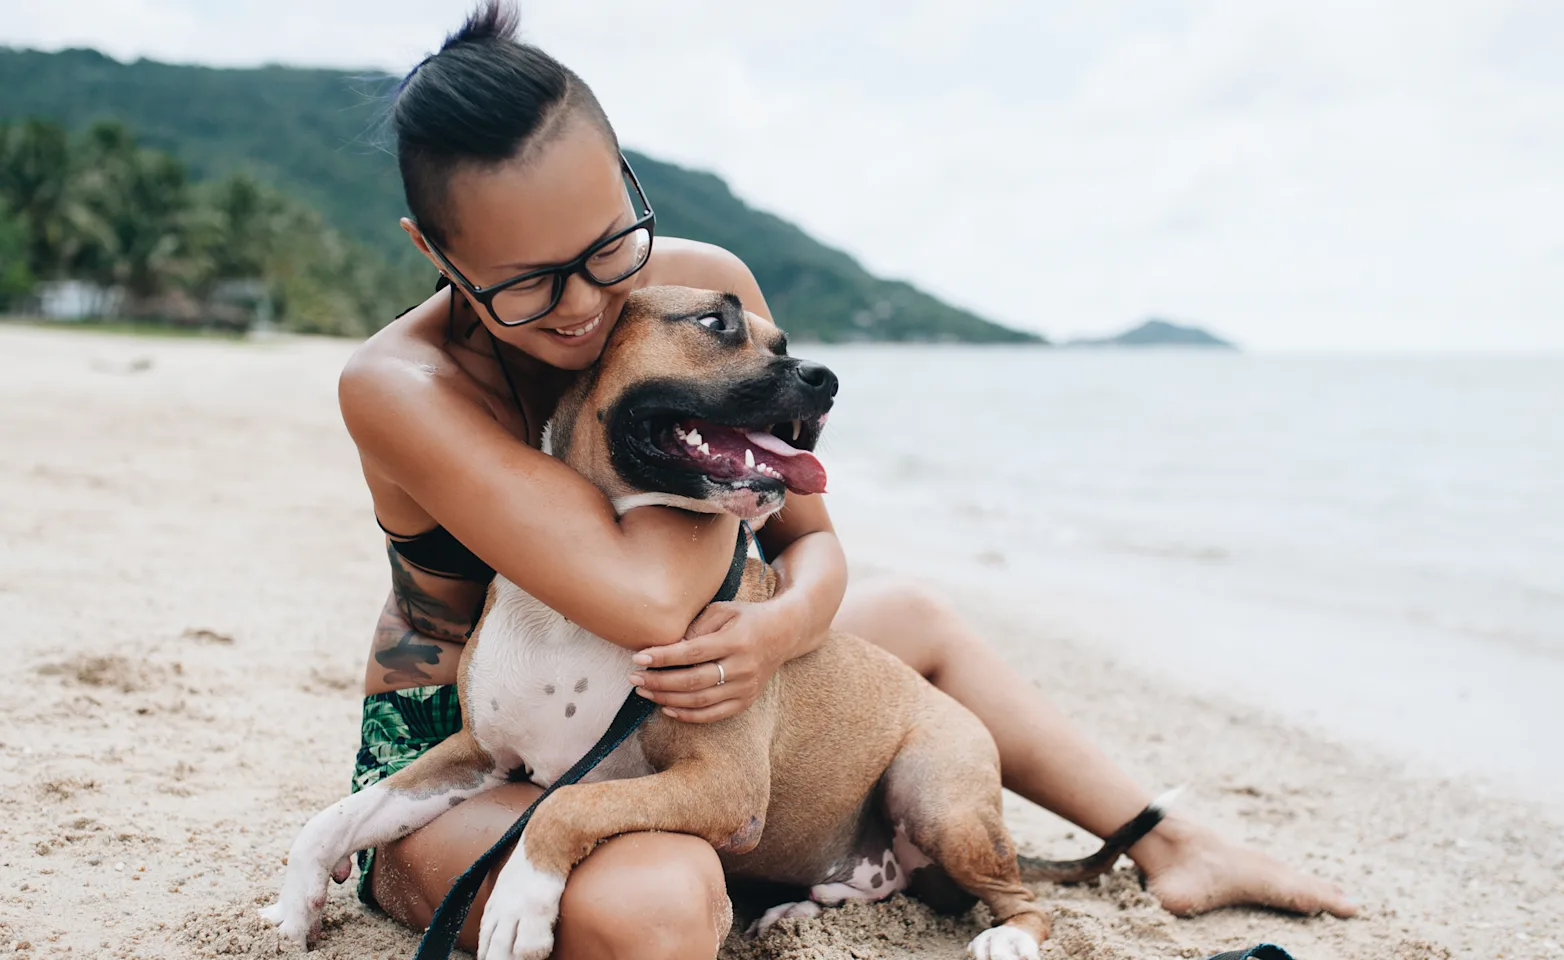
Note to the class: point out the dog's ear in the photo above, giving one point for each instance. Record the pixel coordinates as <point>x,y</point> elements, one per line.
<point>577,432</point>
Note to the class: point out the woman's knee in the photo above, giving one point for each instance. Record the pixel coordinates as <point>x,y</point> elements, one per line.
<point>909,618</point>
<point>647,897</point>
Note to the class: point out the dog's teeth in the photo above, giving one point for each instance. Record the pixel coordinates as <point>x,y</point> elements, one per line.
<point>706,449</point>
<point>693,438</point>
<point>749,458</point>
<point>798,428</point>
<point>678,431</point>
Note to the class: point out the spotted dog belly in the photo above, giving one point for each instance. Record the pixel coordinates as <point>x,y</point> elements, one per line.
<point>882,863</point>
<point>541,690</point>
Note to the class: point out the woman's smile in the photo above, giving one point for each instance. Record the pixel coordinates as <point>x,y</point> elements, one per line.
<point>578,331</point>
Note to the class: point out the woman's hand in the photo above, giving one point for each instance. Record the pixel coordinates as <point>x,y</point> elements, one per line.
<point>749,640</point>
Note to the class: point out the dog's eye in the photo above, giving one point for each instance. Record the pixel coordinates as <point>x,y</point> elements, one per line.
<point>714,322</point>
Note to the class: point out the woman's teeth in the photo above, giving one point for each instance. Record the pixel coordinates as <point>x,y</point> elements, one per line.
<point>580,331</point>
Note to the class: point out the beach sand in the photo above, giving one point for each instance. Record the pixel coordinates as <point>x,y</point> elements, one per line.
<point>189,573</point>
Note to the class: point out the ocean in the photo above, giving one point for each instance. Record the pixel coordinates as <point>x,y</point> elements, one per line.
<point>1371,546</point>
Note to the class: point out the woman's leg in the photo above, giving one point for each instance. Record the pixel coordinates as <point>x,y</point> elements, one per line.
<point>1189,868</point>
<point>644,896</point>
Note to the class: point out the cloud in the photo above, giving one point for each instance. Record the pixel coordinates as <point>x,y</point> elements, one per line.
<point>1320,175</point>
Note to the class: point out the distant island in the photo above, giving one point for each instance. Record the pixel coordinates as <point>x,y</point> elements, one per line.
<point>1157,333</point>
<point>313,135</point>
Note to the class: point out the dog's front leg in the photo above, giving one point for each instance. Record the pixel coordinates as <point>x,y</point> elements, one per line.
<point>707,797</point>
<point>450,772</point>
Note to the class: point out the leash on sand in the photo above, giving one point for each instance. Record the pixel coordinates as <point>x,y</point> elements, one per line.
<point>440,938</point>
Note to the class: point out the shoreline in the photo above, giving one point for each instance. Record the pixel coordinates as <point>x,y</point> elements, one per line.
<point>189,582</point>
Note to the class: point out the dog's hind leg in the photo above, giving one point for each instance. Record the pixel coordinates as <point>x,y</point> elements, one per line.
<point>942,794</point>
<point>448,773</point>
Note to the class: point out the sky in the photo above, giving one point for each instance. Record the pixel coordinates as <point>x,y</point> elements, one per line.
<point>1297,176</point>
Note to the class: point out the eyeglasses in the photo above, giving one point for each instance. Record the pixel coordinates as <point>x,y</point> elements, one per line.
<point>531,295</point>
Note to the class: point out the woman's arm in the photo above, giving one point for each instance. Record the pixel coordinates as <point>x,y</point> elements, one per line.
<point>811,569</point>
<point>753,640</point>
<point>636,580</point>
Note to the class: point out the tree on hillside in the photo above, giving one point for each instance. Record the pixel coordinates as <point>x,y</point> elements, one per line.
<point>242,222</point>
<point>34,179</point>
<point>131,215</point>
<point>16,280</point>
<point>102,208</point>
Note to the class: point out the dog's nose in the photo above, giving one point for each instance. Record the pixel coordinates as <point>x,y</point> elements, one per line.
<point>817,377</point>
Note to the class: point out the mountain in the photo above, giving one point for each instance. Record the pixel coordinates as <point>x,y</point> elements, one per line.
<point>319,135</point>
<point>1158,333</point>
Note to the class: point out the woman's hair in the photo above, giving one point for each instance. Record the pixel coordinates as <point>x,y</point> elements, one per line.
<point>484,99</point>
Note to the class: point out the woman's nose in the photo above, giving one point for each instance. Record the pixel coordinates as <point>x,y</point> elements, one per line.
<point>581,299</point>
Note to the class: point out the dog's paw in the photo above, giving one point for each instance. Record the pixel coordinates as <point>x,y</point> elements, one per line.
<point>518,921</point>
<point>293,922</point>
<point>296,914</point>
<point>1003,943</point>
<point>782,911</point>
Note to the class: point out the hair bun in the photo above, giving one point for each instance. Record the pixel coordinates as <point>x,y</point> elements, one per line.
<point>490,21</point>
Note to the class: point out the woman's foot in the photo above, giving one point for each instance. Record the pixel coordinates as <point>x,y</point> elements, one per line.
<point>1191,869</point>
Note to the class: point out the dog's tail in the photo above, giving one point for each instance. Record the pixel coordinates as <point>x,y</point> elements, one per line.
<point>1034,869</point>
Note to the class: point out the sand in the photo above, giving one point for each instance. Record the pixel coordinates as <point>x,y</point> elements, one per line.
<point>189,573</point>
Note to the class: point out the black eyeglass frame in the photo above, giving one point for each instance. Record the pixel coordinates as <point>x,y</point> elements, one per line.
<point>561,273</point>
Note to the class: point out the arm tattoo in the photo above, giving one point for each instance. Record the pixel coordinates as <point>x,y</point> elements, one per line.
<point>403,653</point>
<point>424,612</point>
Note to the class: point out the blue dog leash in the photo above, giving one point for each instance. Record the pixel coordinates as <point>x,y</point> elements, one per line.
<point>440,938</point>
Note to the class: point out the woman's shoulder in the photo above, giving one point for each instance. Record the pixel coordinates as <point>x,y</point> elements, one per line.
<point>691,263</point>
<point>414,346</point>
<point>405,360</point>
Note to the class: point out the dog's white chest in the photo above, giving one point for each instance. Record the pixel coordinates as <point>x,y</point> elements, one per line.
<point>541,690</point>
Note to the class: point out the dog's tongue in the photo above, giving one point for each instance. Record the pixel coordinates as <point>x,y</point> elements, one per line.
<point>731,454</point>
<point>800,470</point>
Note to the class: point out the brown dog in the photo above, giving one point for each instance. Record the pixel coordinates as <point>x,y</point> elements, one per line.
<point>850,776</point>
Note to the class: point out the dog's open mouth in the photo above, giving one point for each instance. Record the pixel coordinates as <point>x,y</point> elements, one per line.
<point>728,454</point>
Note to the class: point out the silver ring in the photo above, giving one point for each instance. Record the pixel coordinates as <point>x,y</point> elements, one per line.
<point>722,675</point>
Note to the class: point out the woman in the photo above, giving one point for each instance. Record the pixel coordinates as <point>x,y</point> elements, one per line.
<point>520,198</point>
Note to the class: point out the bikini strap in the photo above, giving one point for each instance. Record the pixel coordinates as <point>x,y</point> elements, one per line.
<point>494,343</point>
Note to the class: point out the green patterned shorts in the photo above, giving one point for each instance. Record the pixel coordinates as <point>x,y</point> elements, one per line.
<point>398,727</point>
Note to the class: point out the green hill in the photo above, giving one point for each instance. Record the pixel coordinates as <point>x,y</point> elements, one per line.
<point>1157,333</point>
<point>317,135</point>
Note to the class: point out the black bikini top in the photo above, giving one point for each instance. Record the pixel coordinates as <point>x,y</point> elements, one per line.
<point>436,551</point>
<point>439,553</point>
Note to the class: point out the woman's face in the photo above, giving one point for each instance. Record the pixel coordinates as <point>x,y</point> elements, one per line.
<point>547,211</point>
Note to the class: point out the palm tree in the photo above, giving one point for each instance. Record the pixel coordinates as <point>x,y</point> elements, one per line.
<point>131,216</point>
<point>243,224</point>
<point>101,208</point>
<point>34,182</point>
<point>16,278</point>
